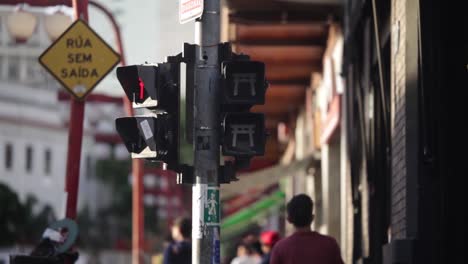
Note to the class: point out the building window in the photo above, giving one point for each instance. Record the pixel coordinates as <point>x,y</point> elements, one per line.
<point>14,68</point>
<point>9,156</point>
<point>34,72</point>
<point>34,39</point>
<point>47,161</point>
<point>29,158</point>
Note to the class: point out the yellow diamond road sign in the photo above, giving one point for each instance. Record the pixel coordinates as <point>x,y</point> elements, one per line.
<point>79,59</point>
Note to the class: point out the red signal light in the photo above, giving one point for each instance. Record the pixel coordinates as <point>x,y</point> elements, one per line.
<point>142,87</point>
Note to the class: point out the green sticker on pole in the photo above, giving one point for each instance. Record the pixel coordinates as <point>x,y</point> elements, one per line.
<point>211,212</point>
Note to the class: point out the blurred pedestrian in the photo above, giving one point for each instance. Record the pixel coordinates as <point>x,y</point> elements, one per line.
<point>257,252</point>
<point>159,257</point>
<point>249,238</point>
<point>243,254</point>
<point>304,245</point>
<point>179,250</point>
<point>246,254</point>
<point>268,240</point>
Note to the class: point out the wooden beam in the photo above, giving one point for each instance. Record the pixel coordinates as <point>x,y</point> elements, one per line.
<point>283,54</point>
<point>271,124</point>
<point>275,107</point>
<point>278,32</point>
<point>272,150</point>
<point>323,8</point>
<point>282,91</point>
<point>291,72</point>
<point>287,102</point>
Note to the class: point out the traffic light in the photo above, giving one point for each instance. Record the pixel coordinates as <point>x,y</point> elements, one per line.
<point>243,85</point>
<point>148,137</point>
<point>151,86</point>
<point>153,136</point>
<point>244,134</point>
<point>243,82</point>
<point>139,82</point>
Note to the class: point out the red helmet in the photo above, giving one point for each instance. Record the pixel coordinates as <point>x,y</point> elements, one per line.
<point>269,238</point>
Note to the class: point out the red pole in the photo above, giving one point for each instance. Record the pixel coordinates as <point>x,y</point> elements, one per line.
<point>137,165</point>
<point>137,212</point>
<point>75,133</point>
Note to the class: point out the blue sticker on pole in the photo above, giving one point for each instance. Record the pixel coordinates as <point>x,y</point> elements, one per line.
<point>216,255</point>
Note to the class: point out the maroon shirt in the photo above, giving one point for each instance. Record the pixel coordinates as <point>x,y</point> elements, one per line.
<point>306,247</point>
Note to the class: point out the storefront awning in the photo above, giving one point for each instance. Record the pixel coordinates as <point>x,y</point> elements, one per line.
<point>241,220</point>
<point>264,178</point>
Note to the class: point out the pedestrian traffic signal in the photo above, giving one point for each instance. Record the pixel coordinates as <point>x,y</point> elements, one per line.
<point>243,82</point>
<point>243,85</point>
<point>154,136</point>
<point>151,86</point>
<point>244,134</point>
<point>137,82</point>
<point>149,137</point>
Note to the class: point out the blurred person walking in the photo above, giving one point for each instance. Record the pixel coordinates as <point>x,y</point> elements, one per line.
<point>247,253</point>
<point>304,245</point>
<point>180,250</point>
<point>257,252</point>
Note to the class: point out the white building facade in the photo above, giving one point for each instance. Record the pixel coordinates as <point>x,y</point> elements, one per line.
<point>34,123</point>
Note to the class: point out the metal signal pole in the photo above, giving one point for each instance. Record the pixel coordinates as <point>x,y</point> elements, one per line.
<point>205,195</point>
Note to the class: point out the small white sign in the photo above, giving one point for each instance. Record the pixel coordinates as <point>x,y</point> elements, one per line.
<point>190,10</point>
<point>146,129</point>
<point>198,198</point>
